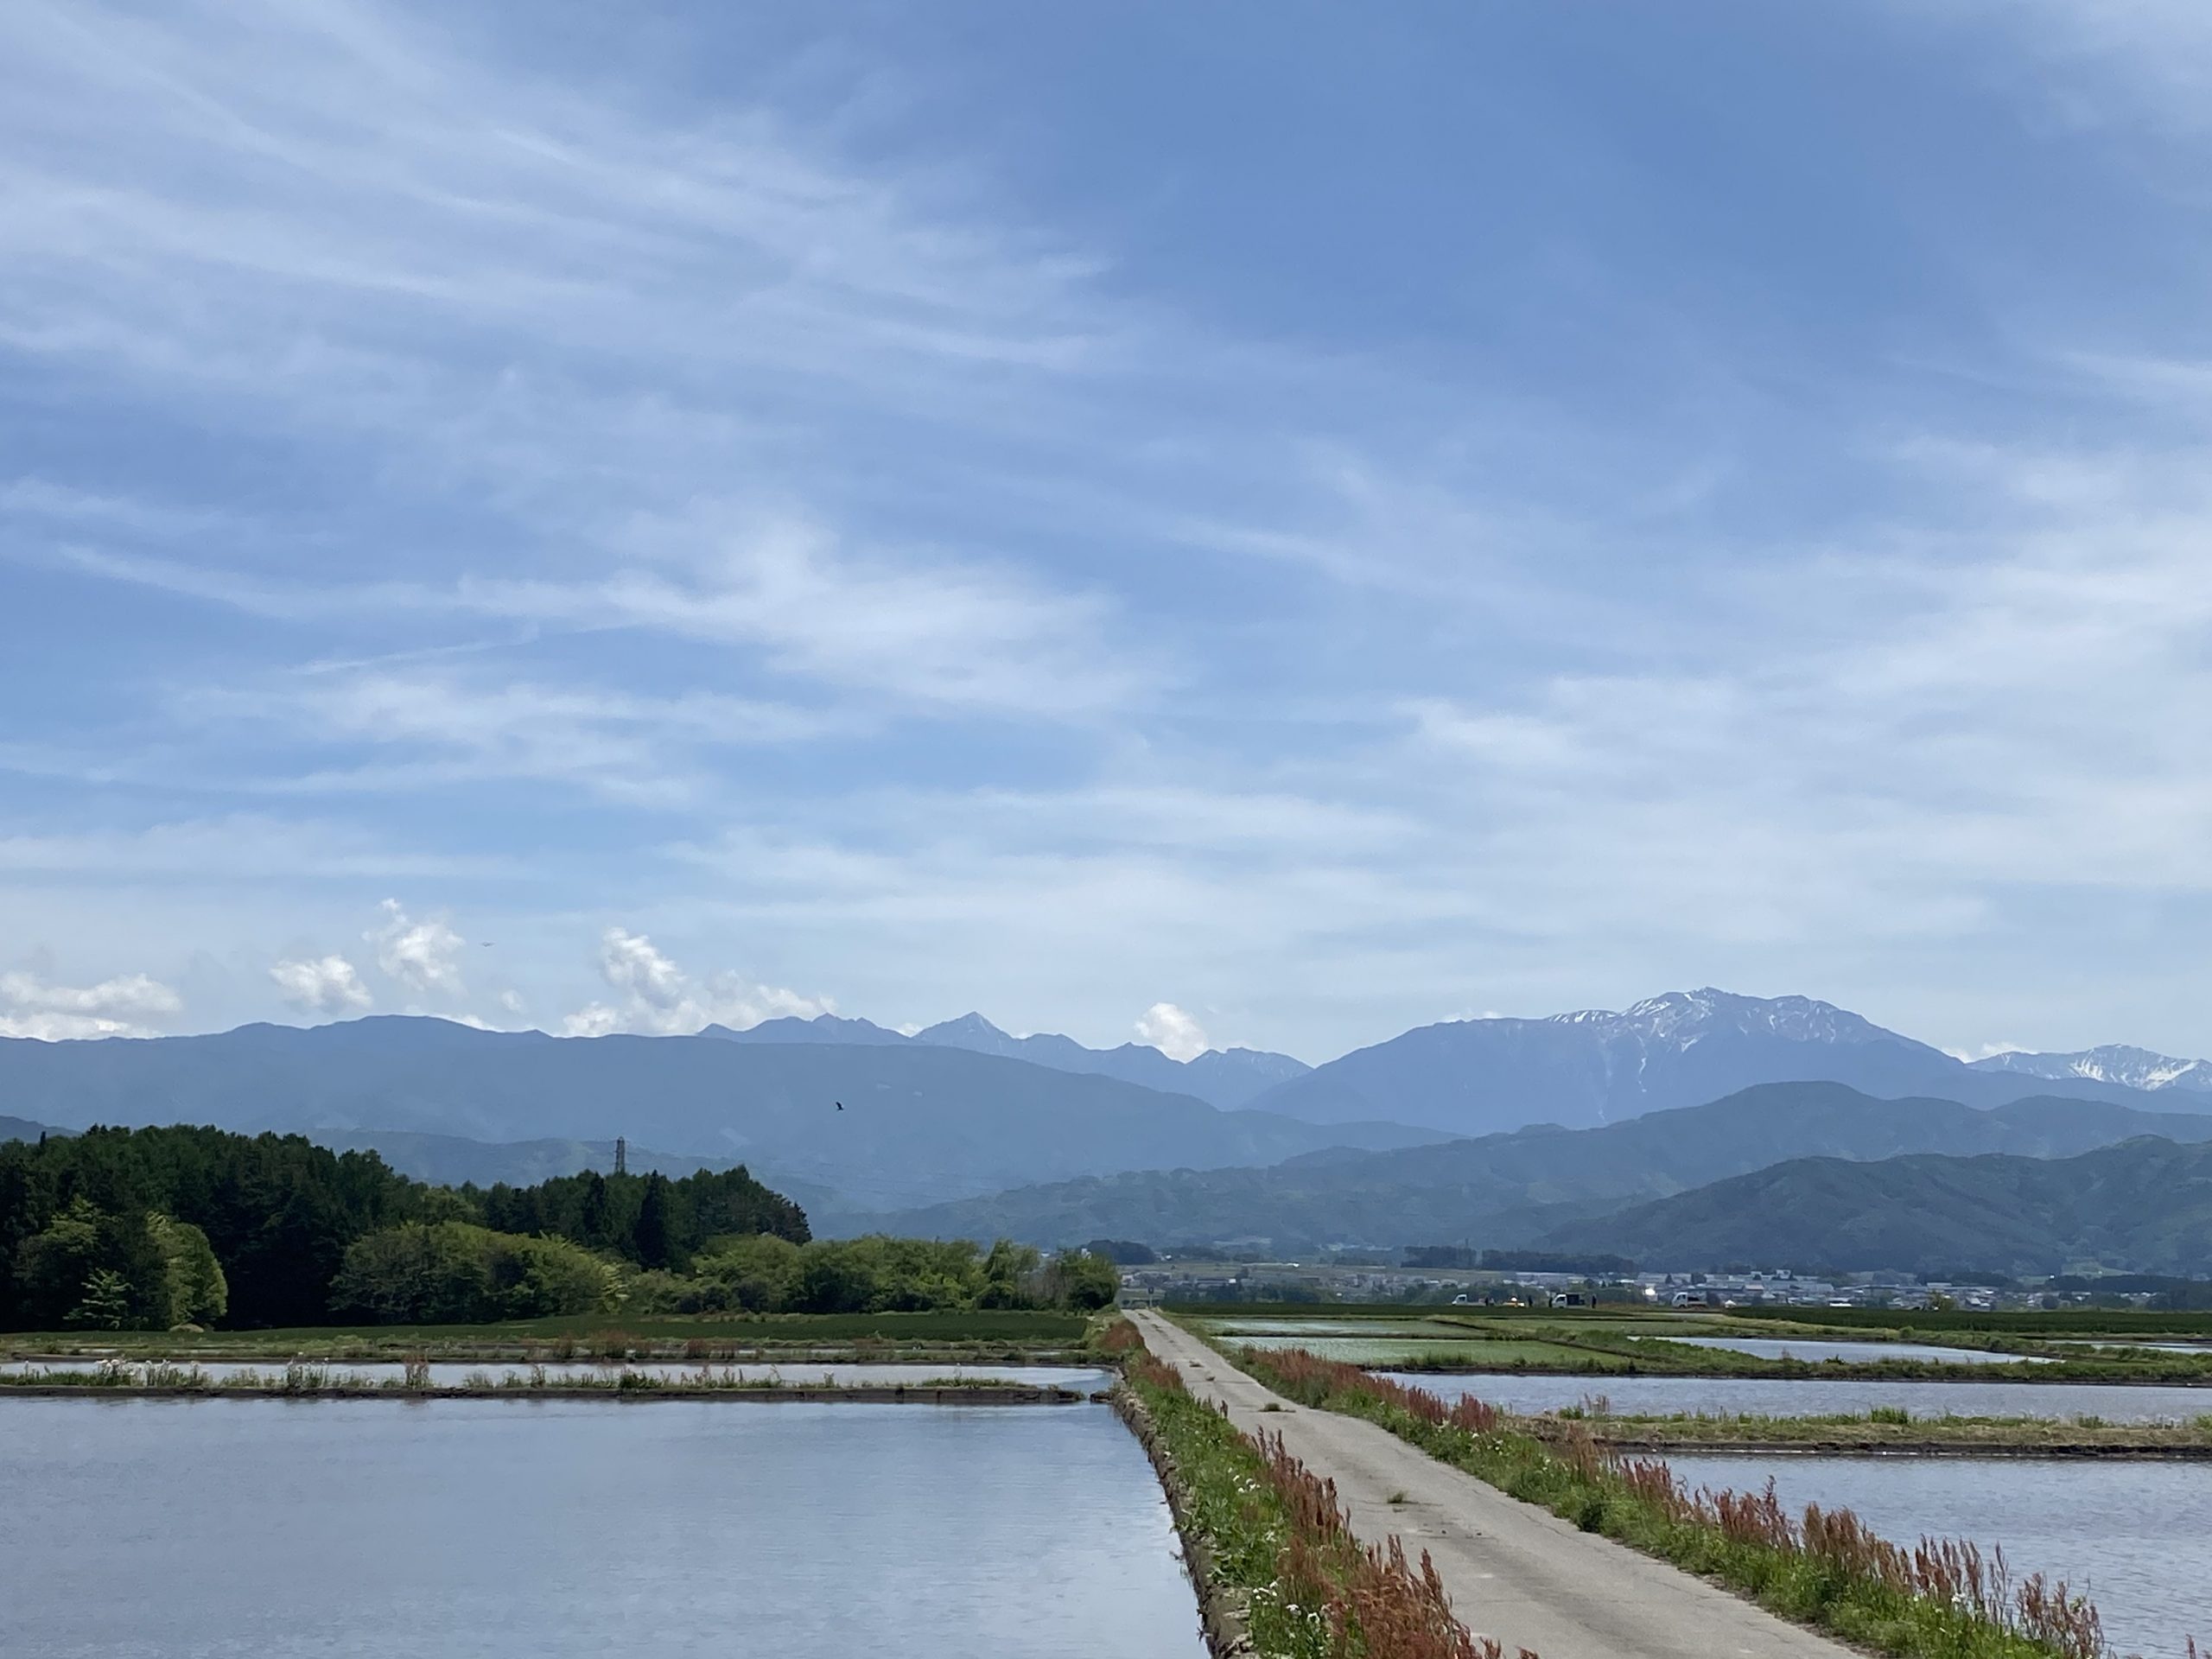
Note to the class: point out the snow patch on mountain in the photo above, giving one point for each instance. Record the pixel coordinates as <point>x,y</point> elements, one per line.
<point>1681,1019</point>
<point>2116,1063</point>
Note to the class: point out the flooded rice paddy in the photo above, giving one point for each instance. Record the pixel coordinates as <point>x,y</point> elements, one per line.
<point>1854,1353</point>
<point>337,1529</point>
<point>1822,1396</point>
<point>1382,1349</point>
<point>2131,1536</point>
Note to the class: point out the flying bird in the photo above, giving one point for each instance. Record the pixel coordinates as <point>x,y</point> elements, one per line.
<point>839,1104</point>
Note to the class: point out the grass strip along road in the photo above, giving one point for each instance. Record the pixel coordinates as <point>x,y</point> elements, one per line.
<point>1278,1570</point>
<point>1582,1565</point>
<point>1515,1572</point>
<point>1883,1431</point>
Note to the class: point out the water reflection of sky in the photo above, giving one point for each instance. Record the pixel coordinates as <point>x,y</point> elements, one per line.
<point>1821,1396</point>
<point>2130,1535</point>
<point>550,1529</point>
<point>1857,1353</point>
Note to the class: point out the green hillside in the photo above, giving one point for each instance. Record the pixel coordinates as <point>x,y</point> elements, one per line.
<point>2143,1206</point>
<point>1504,1190</point>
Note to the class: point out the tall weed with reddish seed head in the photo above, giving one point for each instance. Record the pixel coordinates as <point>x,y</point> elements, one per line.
<point>1120,1339</point>
<point>1967,1602</point>
<point>1316,1592</point>
<point>1370,1598</point>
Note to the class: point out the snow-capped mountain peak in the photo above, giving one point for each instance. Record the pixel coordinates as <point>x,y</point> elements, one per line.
<point>1682,1017</point>
<point>2117,1063</point>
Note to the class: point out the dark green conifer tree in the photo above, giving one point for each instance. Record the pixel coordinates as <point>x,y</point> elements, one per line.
<point>655,1246</point>
<point>597,1222</point>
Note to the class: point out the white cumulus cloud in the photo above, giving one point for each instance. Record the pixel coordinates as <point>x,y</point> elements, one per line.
<point>1986,1051</point>
<point>422,956</point>
<point>1173,1030</point>
<point>629,963</point>
<point>33,1007</point>
<point>656,997</point>
<point>322,984</point>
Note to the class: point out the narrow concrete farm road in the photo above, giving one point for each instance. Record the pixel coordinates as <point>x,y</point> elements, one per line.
<point>1514,1572</point>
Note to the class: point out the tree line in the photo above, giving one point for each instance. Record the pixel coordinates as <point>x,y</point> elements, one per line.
<point>763,1274</point>
<point>149,1229</point>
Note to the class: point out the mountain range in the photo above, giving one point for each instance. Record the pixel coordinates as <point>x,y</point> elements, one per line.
<point>861,1125</point>
<point>2143,1206</point>
<point>1487,1076</point>
<point>2115,1063</point>
<point>1506,1190</point>
<point>1046,1138</point>
<point>1482,1076</point>
<point>1227,1078</point>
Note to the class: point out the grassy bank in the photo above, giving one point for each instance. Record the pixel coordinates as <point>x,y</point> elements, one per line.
<point>2064,1324</point>
<point>1267,1538</point>
<point>1951,1326</point>
<point>1506,1357</point>
<point>159,1379</point>
<point>1641,1341</point>
<point>1005,1336</point>
<point>1939,1601</point>
<point>1883,1429</point>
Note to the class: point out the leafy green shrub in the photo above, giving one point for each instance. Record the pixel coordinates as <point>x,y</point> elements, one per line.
<point>454,1273</point>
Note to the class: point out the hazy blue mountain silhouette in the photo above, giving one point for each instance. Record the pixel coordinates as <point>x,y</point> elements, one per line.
<point>1481,1076</point>
<point>1227,1078</point>
<point>1504,1189</point>
<point>921,1122</point>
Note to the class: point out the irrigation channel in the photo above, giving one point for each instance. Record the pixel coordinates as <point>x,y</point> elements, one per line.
<point>1514,1572</point>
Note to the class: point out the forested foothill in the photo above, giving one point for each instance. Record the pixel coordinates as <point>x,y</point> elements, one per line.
<point>151,1228</point>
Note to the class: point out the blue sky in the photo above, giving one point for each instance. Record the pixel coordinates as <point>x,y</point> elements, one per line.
<point>1264,525</point>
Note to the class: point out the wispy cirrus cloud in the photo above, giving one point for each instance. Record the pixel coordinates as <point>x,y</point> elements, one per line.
<point>2123,62</point>
<point>538,302</point>
<point>380,727</point>
<point>237,847</point>
<point>698,504</point>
